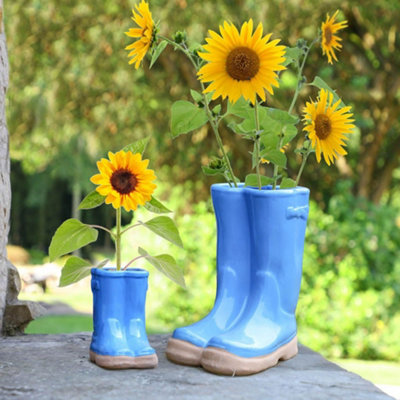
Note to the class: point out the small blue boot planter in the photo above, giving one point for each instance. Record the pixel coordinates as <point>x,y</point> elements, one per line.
<point>233,278</point>
<point>119,338</point>
<point>266,331</point>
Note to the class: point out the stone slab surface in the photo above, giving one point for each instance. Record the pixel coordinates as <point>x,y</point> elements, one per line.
<point>52,367</point>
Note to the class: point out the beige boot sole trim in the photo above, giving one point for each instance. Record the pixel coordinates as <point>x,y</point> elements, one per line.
<point>222,362</point>
<point>182,352</point>
<point>124,362</point>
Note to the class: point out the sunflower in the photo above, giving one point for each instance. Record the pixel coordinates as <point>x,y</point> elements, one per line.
<point>145,33</point>
<point>125,180</point>
<point>330,41</point>
<point>241,64</point>
<point>327,125</point>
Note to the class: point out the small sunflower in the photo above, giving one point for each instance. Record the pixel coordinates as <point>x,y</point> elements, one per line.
<point>145,33</point>
<point>241,64</point>
<point>327,125</point>
<point>330,41</point>
<point>125,180</point>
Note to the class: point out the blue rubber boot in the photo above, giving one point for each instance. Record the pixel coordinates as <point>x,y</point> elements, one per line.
<point>233,278</point>
<point>266,331</point>
<point>119,338</point>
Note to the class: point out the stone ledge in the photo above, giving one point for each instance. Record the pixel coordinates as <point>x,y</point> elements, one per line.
<point>52,367</point>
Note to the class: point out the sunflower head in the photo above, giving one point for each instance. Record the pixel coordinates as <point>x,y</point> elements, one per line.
<point>327,126</point>
<point>144,33</point>
<point>241,63</point>
<point>330,41</point>
<point>124,180</point>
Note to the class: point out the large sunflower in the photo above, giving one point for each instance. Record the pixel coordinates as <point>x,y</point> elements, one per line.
<point>145,33</point>
<point>330,41</point>
<point>327,125</point>
<point>125,180</point>
<point>241,64</point>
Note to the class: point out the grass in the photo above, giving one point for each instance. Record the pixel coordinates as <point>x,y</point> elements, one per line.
<point>378,372</point>
<point>54,324</point>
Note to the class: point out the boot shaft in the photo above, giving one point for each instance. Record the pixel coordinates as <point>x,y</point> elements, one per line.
<point>278,223</point>
<point>233,244</point>
<point>120,295</point>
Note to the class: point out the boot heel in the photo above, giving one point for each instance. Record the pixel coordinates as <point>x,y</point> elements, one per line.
<point>289,350</point>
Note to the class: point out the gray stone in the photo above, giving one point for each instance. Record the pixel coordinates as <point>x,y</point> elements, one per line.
<point>17,314</point>
<point>57,367</point>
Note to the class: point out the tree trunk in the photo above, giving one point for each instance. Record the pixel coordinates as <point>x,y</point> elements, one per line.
<point>5,190</point>
<point>14,314</point>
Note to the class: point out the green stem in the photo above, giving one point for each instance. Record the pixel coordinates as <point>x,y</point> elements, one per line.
<point>118,239</point>
<point>257,149</point>
<point>103,228</point>
<point>130,262</point>
<point>292,104</point>
<point>303,163</point>
<point>207,107</point>
<point>130,227</point>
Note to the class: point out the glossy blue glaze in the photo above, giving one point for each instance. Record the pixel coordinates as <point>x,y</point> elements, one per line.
<point>278,222</point>
<point>119,299</point>
<point>233,263</point>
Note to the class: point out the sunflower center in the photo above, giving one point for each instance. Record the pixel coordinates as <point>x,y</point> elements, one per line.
<point>328,35</point>
<point>123,181</point>
<point>242,63</point>
<point>322,126</point>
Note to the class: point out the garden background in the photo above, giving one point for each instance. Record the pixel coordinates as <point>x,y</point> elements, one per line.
<point>72,97</point>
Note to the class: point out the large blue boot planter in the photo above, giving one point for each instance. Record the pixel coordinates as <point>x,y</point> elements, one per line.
<point>119,338</point>
<point>233,278</point>
<point>266,330</point>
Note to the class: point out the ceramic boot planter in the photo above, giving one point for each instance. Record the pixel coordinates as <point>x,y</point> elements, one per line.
<point>233,279</point>
<point>266,331</point>
<point>119,338</point>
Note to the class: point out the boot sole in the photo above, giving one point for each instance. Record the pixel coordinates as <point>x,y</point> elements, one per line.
<point>124,362</point>
<point>222,362</point>
<point>184,353</point>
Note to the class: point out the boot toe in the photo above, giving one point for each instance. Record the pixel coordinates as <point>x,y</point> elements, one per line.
<point>190,335</point>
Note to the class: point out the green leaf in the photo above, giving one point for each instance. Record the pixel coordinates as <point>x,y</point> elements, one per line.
<point>292,55</point>
<point>276,157</point>
<point>166,228</point>
<point>241,108</point>
<point>167,265</point>
<point>252,180</point>
<point>74,270</point>
<point>186,117</point>
<point>290,134</point>
<point>70,236</point>
<point>212,171</point>
<point>287,183</point>
<point>282,116</point>
<point>157,51</point>
<point>92,200</point>
<point>237,128</point>
<point>156,206</point>
<point>321,84</point>
<point>217,109</point>
<point>101,264</point>
<point>137,147</point>
<point>196,96</point>
<point>269,141</point>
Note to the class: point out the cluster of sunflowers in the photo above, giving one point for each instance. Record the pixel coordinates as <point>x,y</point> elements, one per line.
<point>242,65</point>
